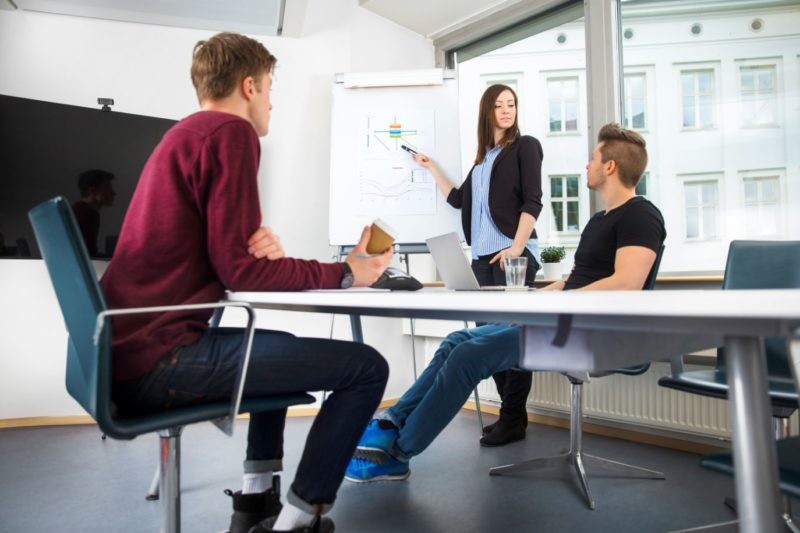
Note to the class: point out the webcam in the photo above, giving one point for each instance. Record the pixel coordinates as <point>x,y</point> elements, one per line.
<point>106,103</point>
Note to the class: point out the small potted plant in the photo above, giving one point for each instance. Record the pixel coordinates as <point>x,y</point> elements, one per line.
<point>552,257</point>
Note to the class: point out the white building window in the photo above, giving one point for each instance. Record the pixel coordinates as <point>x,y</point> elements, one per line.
<point>564,203</point>
<point>562,97</point>
<point>758,96</point>
<point>762,205</point>
<point>634,117</point>
<point>701,206</point>
<point>697,98</point>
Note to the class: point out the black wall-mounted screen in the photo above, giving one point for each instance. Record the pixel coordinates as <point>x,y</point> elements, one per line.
<point>45,146</point>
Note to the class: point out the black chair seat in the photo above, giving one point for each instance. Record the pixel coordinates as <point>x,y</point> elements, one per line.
<point>713,383</point>
<point>788,465</point>
<point>126,428</point>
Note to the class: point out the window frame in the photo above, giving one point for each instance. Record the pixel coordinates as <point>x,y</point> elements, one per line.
<point>778,174</point>
<point>644,74</point>
<point>714,67</point>
<point>776,64</point>
<point>695,179</point>
<point>563,76</point>
<point>564,200</point>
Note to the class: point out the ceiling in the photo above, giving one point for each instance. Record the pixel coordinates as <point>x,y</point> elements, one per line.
<point>261,17</point>
<point>445,22</point>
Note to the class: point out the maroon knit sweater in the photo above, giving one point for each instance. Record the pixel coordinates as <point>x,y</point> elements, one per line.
<point>184,240</point>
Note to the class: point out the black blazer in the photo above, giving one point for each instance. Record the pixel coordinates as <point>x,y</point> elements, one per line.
<point>515,187</point>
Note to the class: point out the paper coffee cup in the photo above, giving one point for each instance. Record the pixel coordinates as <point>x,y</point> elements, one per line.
<point>381,237</point>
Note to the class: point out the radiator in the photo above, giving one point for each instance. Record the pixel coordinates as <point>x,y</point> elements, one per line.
<point>633,400</point>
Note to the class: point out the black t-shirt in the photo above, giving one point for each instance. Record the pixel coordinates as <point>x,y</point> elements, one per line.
<point>637,222</point>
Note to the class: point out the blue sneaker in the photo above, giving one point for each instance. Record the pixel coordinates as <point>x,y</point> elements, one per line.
<point>378,467</point>
<point>378,439</point>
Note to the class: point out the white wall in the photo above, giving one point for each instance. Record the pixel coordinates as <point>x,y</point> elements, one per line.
<point>74,60</point>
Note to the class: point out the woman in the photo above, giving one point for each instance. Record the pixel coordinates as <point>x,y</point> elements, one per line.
<point>500,201</point>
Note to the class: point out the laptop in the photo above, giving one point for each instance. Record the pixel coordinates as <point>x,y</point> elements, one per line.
<point>454,267</point>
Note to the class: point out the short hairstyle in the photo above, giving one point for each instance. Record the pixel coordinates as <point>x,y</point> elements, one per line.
<point>223,61</point>
<point>487,121</point>
<point>627,148</point>
<point>93,178</point>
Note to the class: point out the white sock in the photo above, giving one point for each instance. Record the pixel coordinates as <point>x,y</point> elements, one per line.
<point>256,482</point>
<point>292,517</point>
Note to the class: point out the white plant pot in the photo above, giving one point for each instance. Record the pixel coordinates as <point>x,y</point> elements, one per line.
<point>552,271</point>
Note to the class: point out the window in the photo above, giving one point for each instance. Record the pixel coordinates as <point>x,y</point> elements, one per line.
<point>564,202</point>
<point>633,112</point>
<point>758,98</point>
<point>720,108</point>
<point>641,187</point>
<point>700,198</point>
<point>697,98</point>
<point>562,97</point>
<point>762,205</point>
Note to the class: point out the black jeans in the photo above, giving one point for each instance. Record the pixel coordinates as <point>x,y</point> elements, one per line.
<point>279,363</point>
<point>512,385</point>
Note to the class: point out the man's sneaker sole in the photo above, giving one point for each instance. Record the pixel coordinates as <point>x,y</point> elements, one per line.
<point>401,477</point>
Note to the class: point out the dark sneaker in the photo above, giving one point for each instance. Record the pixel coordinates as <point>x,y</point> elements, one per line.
<point>504,433</point>
<point>319,525</point>
<point>378,436</point>
<point>375,466</point>
<point>251,509</point>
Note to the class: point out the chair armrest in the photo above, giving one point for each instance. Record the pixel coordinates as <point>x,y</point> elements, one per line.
<point>224,424</point>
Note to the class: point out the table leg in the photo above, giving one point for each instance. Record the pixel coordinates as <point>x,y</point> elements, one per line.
<point>754,454</point>
<point>355,327</point>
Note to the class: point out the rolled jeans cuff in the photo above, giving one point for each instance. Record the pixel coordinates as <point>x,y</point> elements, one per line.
<point>310,508</point>
<point>263,465</point>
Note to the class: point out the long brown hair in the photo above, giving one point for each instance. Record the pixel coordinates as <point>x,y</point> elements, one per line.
<point>487,123</point>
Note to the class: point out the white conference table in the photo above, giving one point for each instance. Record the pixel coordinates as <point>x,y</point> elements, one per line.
<point>625,328</point>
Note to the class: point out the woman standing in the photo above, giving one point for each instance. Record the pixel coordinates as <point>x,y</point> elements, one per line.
<point>500,200</point>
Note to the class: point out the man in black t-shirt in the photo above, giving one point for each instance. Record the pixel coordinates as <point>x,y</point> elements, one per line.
<point>617,250</point>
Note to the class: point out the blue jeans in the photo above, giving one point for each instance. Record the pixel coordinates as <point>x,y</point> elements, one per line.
<point>279,363</point>
<point>463,359</point>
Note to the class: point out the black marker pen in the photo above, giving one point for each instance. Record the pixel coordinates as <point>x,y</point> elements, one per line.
<point>409,150</point>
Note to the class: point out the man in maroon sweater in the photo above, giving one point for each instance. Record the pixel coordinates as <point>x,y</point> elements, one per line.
<point>187,238</point>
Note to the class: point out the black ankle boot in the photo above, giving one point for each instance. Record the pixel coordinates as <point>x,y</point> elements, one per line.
<point>505,431</point>
<point>251,509</point>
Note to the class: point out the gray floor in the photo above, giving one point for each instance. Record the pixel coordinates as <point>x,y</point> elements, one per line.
<point>68,479</point>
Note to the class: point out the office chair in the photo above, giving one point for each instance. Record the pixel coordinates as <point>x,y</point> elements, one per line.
<point>753,265</point>
<point>575,455</point>
<point>89,357</point>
